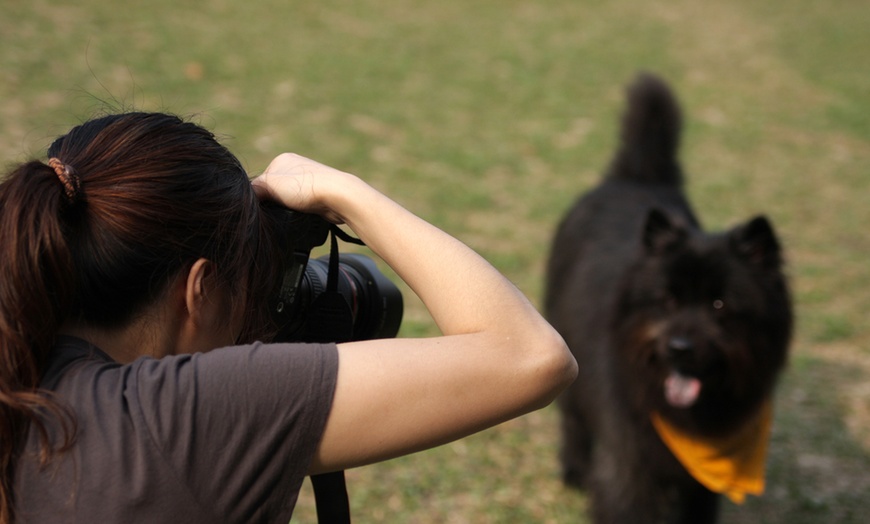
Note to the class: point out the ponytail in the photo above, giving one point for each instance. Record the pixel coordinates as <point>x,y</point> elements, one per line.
<point>36,289</point>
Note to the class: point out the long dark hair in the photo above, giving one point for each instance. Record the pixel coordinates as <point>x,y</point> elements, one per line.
<point>151,194</point>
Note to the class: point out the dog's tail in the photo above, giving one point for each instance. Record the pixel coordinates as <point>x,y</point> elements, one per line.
<point>650,136</point>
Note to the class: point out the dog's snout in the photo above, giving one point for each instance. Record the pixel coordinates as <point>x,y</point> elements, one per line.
<point>679,345</point>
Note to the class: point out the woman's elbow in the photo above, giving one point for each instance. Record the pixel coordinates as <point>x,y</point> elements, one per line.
<point>554,370</point>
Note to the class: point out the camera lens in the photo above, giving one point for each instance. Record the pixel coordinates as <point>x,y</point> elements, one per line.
<point>376,303</point>
<point>373,303</point>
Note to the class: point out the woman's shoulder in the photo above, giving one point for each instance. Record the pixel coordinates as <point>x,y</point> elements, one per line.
<point>250,379</point>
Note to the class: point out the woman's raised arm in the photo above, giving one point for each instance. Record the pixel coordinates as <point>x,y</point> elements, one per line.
<point>497,358</point>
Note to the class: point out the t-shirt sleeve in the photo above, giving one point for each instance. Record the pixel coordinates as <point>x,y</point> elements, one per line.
<point>238,426</point>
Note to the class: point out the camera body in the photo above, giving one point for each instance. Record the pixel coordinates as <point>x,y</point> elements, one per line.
<point>351,301</point>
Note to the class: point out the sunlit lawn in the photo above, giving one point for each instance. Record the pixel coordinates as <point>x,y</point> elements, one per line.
<point>488,118</point>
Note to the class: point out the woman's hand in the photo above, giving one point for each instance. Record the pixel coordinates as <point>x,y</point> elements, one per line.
<point>306,185</point>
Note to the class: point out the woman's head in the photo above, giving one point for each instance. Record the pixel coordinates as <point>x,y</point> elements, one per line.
<point>125,204</point>
<point>155,193</point>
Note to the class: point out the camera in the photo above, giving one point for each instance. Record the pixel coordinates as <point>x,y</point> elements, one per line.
<point>334,298</point>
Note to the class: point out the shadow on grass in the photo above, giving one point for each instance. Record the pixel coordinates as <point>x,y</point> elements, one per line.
<point>817,472</point>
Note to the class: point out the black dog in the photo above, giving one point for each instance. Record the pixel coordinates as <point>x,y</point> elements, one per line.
<point>668,323</point>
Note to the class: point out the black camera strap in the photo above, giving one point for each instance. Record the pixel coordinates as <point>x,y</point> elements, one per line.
<point>332,276</point>
<point>331,317</point>
<point>330,498</point>
<point>338,232</point>
<point>330,489</point>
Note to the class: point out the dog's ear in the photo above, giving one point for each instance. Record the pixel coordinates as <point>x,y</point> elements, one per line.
<point>660,233</point>
<point>756,243</point>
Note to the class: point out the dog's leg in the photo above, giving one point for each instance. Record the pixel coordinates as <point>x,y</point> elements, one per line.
<point>619,501</point>
<point>620,487</point>
<point>576,446</point>
<point>701,506</point>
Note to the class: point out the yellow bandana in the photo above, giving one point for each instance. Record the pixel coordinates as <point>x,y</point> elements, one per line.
<point>732,465</point>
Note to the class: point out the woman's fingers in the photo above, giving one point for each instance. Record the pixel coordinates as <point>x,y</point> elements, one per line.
<point>305,185</point>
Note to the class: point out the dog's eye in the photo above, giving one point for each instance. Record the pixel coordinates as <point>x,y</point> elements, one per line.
<point>718,304</point>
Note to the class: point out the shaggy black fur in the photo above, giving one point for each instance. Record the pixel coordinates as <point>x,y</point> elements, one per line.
<point>641,294</point>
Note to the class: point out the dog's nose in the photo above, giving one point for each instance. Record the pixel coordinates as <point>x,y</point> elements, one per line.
<point>679,346</point>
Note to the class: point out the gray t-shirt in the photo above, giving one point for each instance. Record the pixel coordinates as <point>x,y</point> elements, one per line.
<point>223,436</point>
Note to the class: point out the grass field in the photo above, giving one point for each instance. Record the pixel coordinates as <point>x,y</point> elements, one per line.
<point>488,118</point>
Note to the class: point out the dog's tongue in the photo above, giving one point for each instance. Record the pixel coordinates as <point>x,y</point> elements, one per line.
<point>681,391</point>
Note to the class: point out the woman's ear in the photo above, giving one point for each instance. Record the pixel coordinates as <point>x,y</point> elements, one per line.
<point>206,322</point>
<point>196,288</point>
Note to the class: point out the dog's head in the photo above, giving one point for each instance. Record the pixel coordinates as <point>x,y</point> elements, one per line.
<point>705,321</point>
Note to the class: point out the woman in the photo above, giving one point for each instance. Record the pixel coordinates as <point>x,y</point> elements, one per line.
<point>139,248</point>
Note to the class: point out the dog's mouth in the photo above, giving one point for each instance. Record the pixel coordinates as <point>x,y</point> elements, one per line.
<point>682,391</point>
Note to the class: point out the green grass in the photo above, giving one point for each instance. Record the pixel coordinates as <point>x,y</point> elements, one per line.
<point>488,118</point>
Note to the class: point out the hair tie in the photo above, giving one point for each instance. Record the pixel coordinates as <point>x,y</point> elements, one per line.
<point>67,177</point>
